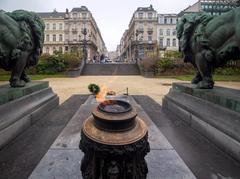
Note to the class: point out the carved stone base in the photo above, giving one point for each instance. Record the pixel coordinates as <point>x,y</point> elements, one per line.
<point>103,161</point>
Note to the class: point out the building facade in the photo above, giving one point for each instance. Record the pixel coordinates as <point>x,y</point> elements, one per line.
<point>166,32</point>
<point>54,31</point>
<point>149,31</point>
<point>213,7</point>
<point>141,36</point>
<point>64,32</point>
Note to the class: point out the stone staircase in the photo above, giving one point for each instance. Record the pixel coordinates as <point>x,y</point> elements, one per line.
<point>110,69</point>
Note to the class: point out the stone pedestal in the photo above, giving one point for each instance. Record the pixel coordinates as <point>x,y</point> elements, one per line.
<point>20,107</point>
<point>215,113</point>
<point>114,161</point>
<point>114,141</point>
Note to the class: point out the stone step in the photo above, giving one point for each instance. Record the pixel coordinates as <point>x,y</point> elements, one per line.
<point>225,97</point>
<point>20,113</point>
<point>110,69</point>
<point>219,124</point>
<point>8,94</point>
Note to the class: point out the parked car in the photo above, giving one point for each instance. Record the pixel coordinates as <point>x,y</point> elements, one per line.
<point>108,60</point>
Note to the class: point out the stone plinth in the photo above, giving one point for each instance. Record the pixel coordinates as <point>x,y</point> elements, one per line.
<point>20,107</point>
<point>212,112</point>
<point>8,94</point>
<point>225,97</point>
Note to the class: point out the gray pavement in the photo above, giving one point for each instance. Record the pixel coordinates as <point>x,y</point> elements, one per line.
<point>20,157</point>
<point>63,158</point>
<point>203,158</point>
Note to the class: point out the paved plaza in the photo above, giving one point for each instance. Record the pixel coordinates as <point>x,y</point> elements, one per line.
<point>155,88</point>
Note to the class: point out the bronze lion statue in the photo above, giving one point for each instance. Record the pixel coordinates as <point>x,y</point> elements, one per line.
<point>21,42</point>
<point>209,42</point>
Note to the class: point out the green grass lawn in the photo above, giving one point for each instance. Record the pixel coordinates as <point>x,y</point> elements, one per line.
<point>235,78</point>
<point>5,77</point>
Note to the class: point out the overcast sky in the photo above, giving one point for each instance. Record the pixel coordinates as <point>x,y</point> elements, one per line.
<point>112,16</point>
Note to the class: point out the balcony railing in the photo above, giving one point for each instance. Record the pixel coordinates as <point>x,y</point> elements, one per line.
<point>74,30</point>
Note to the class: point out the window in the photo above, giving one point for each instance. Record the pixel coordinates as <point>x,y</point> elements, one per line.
<point>160,20</point>
<point>47,50</point>
<point>54,49</point>
<point>168,42</point>
<point>150,15</point>
<point>60,49</point>
<point>66,48</point>
<point>168,32</point>
<point>47,26</point>
<point>140,27</point>
<point>150,30</point>
<point>174,32</point>
<point>171,21</point>
<point>84,15</point>
<point>47,37</point>
<point>140,15</point>
<point>74,15</point>
<point>165,21</point>
<point>149,38</point>
<point>60,38</point>
<point>160,31</point>
<point>54,38</point>
<point>161,42</point>
<point>54,26</point>
<point>60,26</point>
<point>174,43</point>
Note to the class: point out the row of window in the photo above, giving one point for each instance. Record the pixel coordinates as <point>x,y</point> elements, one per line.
<point>168,42</point>
<point>149,15</point>
<point>48,49</point>
<point>216,6</point>
<point>166,20</point>
<point>54,38</point>
<point>77,15</point>
<point>54,26</point>
<point>168,32</point>
<point>52,49</point>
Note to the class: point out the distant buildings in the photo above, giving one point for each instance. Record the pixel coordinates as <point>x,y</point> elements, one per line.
<point>149,31</point>
<point>113,55</point>
<point>54,31</point>
<point>213,7</point>
<point>166,32</point>
<point>63,32</point>
<point>141,36</point>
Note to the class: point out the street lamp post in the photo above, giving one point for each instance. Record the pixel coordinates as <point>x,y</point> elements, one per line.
<point>137,41</point>
<point>84,32</point>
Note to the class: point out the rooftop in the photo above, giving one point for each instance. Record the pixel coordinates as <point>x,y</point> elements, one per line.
<point>150,8</point>
<point>79,9</point>
<point>53,14</point>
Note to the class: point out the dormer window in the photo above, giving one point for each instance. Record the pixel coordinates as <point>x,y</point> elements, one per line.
<point>74,15</point>
<point>150,15</point>
<point>84,15</point>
